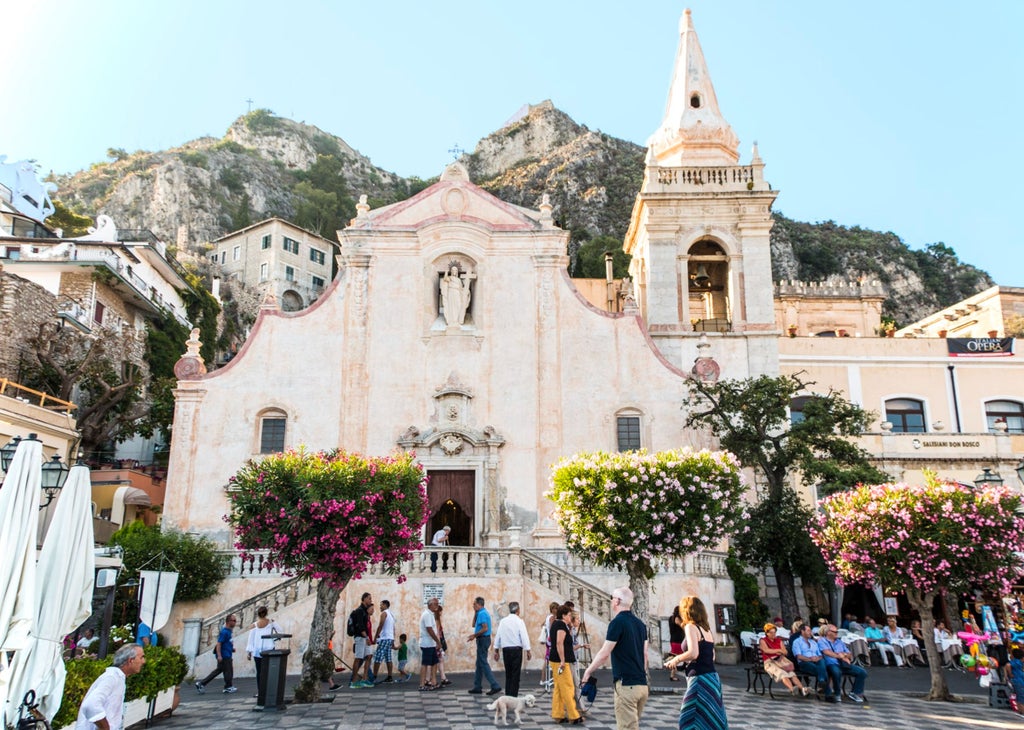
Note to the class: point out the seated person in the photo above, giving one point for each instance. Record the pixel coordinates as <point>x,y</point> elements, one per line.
<point>820,628</point>
<point>839,661</point>
<point>847,620</point>
<point>856,625</point>
<point>904,644</point>
<point>810,660</point>
<point>776,664</point>
<point>85,644</point>
<point>948,644</point>
<point>917,633</point>
<point>781,631</point>
<point>876,640</point>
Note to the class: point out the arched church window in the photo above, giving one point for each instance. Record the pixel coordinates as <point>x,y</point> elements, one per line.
<point>708,287</point>
<point>272,428</point>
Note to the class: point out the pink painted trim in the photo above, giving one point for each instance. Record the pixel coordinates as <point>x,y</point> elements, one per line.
<point>439,188</point>
<point>619,315</point>
<point>264,313</point>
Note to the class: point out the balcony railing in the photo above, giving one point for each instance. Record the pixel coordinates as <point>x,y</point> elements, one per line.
<point>34,397</point>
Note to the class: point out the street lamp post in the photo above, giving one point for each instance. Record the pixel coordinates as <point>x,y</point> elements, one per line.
<point>988,478</point>
<point>1020,470</point>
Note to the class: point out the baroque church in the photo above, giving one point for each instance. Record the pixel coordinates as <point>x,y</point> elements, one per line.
<point>453,330</point>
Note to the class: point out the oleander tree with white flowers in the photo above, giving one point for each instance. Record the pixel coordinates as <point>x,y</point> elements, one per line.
<point>629,510</point>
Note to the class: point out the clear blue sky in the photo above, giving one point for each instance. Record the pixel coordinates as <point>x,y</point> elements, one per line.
<point>900,116</point>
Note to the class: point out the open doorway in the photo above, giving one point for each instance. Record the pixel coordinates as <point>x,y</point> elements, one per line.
<point>451,494</point>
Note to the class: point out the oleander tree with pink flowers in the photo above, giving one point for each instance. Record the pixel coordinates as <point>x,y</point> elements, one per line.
<point>925,539</point>
<point>328,516</point>
<point>629,510</point>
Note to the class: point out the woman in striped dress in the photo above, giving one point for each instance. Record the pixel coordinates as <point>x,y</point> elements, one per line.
<point>702,704</point>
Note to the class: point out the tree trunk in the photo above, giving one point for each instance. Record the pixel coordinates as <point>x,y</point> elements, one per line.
<point>786,584</point>
<point>640,584</point>
<point>922,603</point>
<point>318,661</point>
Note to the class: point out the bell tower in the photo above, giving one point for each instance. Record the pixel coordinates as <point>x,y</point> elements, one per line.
<point>699,230</point>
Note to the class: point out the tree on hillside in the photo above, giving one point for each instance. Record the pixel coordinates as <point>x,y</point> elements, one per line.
<point>928,540</point>
<point>69,222</point>
<point>102,373</point>
<point>328,516</point>
<point>752,419</point>
<point>589,260</point>
<point>628,510</point>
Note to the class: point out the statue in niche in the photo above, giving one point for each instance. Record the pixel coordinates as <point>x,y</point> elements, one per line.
<point>455,296</point>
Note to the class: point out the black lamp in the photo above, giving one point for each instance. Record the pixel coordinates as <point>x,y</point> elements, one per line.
<point>988,478</point>
<point>55,473</point>
<point>1020,470</point>
<point>7,453</point>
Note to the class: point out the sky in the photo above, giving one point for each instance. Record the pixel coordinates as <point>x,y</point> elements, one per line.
<point>894,116</point>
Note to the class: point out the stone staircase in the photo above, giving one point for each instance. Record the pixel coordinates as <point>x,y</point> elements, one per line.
<point>533,577</point>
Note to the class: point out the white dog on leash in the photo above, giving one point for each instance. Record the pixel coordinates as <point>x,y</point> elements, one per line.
<point>503,704</point>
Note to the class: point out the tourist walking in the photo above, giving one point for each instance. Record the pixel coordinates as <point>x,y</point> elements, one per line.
<point>563,696</point>
<point>224,650</point>
<point>257,642</point>
<point>103,704</point>
<point>482,636</point>
<point>359,629</point>
<point>428,646</point>
<point>385,640</point>
<point>702,708</point>
<point>512,639</point>
<point>442,647</point>
<point>626,644</point>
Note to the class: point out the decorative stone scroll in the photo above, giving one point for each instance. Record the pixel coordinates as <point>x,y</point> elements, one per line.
<point>191,366</point>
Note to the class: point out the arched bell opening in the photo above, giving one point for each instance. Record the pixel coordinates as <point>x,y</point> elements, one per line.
<point>707,279</point>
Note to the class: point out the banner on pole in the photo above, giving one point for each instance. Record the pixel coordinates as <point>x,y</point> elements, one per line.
<point>157,597</point>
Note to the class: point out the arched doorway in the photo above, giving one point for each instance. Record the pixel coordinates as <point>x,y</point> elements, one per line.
<point>451,497</point>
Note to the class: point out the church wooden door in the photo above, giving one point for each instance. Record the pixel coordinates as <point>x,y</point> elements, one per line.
<point>451,494</point>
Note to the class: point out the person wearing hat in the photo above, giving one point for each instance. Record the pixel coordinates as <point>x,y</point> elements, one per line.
<point>782,631</point>
<point>776,664</point>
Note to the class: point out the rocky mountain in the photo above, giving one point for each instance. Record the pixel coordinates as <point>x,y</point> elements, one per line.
<point>266,165</point>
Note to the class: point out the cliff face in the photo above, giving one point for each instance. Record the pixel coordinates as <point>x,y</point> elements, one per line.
<point>208,187</point>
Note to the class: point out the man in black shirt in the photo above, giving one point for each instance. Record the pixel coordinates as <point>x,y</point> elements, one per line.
<point>626,644</point>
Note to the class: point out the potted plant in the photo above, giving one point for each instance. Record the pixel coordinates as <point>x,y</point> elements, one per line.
<point>942,333</point>
<point>889,329</point>
<point>148,693</point>
<point>791,330</point>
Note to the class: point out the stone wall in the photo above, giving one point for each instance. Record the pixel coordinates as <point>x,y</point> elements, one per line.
<point>24,306</point>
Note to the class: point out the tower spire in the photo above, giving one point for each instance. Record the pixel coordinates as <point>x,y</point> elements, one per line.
<point>693,132</point>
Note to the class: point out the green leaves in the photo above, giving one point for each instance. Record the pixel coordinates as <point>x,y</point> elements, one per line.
<point>200,566</point>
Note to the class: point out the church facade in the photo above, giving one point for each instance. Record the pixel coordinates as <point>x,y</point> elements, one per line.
<point>453,330</point>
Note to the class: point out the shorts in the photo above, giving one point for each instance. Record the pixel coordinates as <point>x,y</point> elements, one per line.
<point>402,664</point>
<point>359,647</point>
<point>429,656</point>
<point>383,652</point>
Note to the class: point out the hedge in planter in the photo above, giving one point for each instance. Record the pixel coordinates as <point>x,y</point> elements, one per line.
<point>165,667</point>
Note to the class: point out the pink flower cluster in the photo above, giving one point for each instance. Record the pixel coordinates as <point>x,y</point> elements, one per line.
<point>940,535</point>
<point>330,515</point>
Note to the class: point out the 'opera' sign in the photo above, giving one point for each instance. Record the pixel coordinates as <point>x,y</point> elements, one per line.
<point>980,346</point>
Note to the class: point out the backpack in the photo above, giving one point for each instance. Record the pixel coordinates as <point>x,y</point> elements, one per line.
<point>351,628</point>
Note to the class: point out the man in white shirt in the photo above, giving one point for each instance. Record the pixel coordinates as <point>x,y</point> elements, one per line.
<point>440,539</point>
<point>428,647</point>
<point>385,639</point>
<point>104,702</point>
<point>512,640</point>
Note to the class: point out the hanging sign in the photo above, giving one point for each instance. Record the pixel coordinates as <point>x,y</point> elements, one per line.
<point>980,346</point>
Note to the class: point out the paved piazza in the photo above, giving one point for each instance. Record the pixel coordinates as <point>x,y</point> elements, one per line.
<point>891,704</point>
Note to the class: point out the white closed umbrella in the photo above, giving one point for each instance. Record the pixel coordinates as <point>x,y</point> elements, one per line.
<point>19,525</point>
<point>65,573</point>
